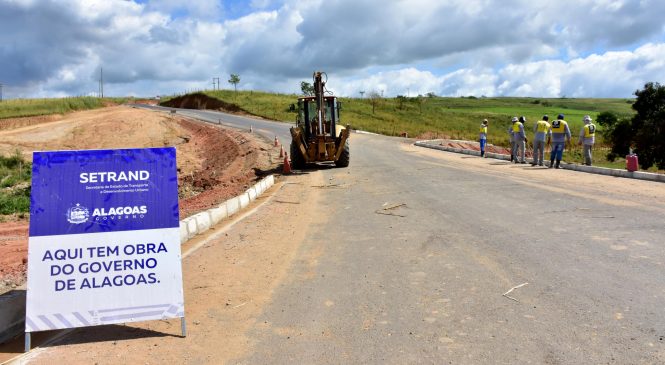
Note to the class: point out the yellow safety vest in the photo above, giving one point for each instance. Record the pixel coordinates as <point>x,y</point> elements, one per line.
<point>543,126</point>
<point>559,126</point>
<point>483,129</point>
<point>516,127</point>
<point>589,130</point>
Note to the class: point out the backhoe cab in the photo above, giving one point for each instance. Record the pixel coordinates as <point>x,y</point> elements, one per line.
<point>318,135</point>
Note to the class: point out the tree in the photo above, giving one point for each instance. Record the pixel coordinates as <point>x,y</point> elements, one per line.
<point>307,88</point>
<point>618,132</point>
<point>374,98</point>
<point>235,79</point>
<point>645,131</point>
<point>648,125</point>
<point>400,101</point>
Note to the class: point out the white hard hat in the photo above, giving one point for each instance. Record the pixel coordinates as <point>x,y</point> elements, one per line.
<point>586,118</point>
<point>514,119</point>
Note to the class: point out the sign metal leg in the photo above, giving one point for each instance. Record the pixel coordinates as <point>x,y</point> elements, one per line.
<point>27,342</point>
<point>183,327</point>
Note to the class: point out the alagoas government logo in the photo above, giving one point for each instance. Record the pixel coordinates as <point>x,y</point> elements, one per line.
<point>77,214</point>
<point>118,213</point>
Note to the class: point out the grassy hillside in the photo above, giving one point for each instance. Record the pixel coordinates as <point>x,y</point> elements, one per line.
<point>451,117</point>
<point>32,107</point>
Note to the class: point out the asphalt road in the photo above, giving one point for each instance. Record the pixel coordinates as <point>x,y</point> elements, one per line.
<point>417,249</point>
<point>268,129</point>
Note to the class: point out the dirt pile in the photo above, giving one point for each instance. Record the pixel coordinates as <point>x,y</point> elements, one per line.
<point>232,161</point>
<point>202,101</point>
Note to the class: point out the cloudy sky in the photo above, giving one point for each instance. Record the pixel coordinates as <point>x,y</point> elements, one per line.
<point>573,48</point>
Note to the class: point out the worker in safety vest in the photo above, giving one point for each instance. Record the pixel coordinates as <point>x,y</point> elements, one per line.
<point>540,130</point>
<point>560,134</point>
<point>587,138</point>
<point>519,139</point>
<point>483,137</point>
<point>512,139</point>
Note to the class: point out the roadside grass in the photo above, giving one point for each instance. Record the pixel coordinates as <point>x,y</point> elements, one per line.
<point>14,108</point>
<point>449,117</point>
<point>15,177</point>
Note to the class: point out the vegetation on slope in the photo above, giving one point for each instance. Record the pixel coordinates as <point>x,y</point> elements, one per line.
<point>14,108</point>
<point>15,174</point>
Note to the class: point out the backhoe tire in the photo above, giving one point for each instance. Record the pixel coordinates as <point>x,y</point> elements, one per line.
<point>343,160</point>
<point>297,159</point>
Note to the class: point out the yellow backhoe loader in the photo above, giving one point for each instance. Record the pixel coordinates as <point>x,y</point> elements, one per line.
<point>318,135</point>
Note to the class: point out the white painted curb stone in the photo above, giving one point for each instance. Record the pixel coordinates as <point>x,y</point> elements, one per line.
<point>201,222</point>
<point>641,175</point>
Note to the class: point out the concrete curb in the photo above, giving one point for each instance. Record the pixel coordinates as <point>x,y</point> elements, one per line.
<point>201,222</point>
<point>641,175</point>
<point>365,132</point>
<point>12,304</point>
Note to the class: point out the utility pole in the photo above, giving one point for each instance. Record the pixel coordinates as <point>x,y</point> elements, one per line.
<point>101,82</point>
<point>215,80</point>
<point>0,92</point>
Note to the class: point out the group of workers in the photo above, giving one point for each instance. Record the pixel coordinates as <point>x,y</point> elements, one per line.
<point>557,133</point>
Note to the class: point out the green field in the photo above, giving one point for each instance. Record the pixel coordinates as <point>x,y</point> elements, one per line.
<point>15,108</point>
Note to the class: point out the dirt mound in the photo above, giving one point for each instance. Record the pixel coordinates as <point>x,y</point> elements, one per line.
<point>202,101</point>
<point>231,162</point>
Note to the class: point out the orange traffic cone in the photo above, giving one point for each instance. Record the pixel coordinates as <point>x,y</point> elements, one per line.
<point>276,142</point>
<point>287,164</point>
<point>281,151</point>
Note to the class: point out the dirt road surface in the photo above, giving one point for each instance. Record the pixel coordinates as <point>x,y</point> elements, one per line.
<point>214,164</point>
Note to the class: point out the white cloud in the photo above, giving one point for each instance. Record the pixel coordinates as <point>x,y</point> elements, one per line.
<point>453,47</point>
<point>613,74</point>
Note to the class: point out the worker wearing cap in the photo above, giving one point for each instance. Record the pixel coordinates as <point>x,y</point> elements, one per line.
<point>519,139</point>
<point>560,134</point>
<point>512,139</point>
<point>483,137</point>
<point>587,138</point>
<point>540,131</point>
